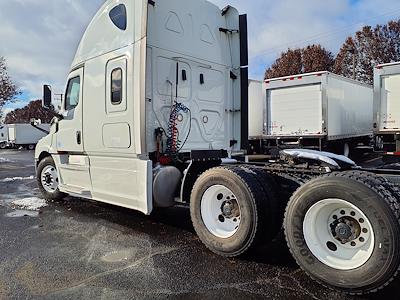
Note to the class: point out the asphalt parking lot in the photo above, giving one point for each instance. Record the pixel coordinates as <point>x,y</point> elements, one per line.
<point>78,249</point>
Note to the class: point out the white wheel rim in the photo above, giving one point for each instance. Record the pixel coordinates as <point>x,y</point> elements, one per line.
<point>331,217</point>
<point>49,179</point>
<point>220,211</point>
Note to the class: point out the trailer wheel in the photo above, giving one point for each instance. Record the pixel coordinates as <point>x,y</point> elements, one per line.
<point>2,145</point>
<point>227,210</point>
<point>31,147</point>
<point>344,231</point>
<point>47,179</point>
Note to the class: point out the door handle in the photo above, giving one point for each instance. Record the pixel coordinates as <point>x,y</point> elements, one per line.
<point>79,137</point>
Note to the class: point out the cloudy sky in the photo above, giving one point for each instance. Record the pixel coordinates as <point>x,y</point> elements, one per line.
<point>39,37</point>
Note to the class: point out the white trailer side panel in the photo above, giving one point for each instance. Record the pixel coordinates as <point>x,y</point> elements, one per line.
<point>295,111</point>
<point>257,101</point>
<point>26,134</point>
<point>390,103</point>
<point>350,108</point>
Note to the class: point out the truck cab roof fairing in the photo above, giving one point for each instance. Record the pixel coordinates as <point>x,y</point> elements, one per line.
<point>103,36</point>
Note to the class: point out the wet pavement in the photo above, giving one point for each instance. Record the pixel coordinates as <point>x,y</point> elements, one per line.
<point>79,249</point>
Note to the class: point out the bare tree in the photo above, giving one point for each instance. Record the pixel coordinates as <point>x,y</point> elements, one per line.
<point>8,89</point>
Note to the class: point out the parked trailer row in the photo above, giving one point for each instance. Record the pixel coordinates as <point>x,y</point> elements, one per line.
<point>318,110</point>
<point>157,108</point>
<point>326,112</point>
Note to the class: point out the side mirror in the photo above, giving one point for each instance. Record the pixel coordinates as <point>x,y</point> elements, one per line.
<point>47,96</point>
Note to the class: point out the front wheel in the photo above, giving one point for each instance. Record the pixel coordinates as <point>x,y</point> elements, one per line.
<point>344,231</point>
<point>48,181</point>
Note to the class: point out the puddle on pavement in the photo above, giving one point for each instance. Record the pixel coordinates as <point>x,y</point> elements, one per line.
<point>117,256</point>
<point>22,213</point>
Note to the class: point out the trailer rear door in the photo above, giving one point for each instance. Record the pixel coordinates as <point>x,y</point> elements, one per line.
<point>390,103</point>
<point>295,111</point>
<point>11,134</point>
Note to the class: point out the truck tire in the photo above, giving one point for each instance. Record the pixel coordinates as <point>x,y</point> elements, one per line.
<point>3,145</point>
<point>271,204</point>
<point>227,208</point>
<point>344,231</point>
<point>47,179</point>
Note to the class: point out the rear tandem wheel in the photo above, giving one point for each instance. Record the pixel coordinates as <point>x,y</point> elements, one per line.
<point>232,210</point>
<point>344,231</point>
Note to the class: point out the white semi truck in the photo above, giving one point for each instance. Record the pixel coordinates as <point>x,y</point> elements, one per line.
<point>387,108</point>
<point>156,112</point>
<point>26,135</point>
<point>318,110</point>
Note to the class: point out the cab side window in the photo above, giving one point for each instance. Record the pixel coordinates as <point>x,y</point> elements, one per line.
<point>116,86</point>
<point>72,95</point>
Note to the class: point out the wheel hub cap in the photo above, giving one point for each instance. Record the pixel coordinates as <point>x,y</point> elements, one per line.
<point>346,230</point>
<point>220,211</point>
<point>339,234</point>
<point>49,179</point>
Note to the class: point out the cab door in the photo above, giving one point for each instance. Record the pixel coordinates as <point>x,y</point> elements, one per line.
<point>73,163</point>
<point>69,136</point>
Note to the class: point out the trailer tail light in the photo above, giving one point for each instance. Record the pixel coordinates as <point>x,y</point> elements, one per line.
<point>375,125</point>
<point>300,77</point>
<point>291,78</point>
<point>379,67</point>
<point>393,153</point>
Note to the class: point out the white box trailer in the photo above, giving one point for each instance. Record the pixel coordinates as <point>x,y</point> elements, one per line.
<point>387,108</point>
<point>316,110</point>
<point>26,135</point>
